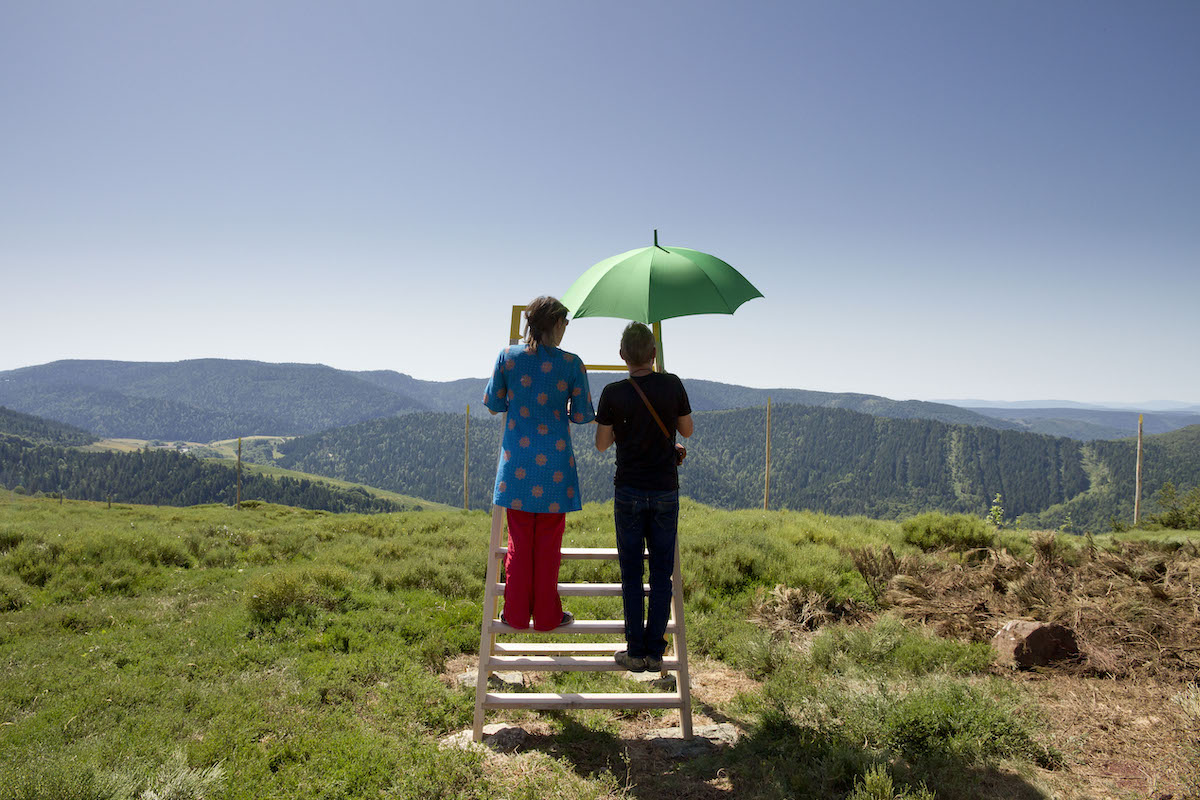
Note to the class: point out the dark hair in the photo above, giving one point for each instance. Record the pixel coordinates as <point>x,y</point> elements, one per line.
<point>637,344</point>
<point>541,315</point>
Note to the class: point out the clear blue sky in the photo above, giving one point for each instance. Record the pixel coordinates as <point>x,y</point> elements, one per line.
<point>938,199</point>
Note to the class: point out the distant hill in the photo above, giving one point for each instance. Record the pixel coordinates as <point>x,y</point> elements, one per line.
<point>164,477</point>
<point>210,399</point>
<point>42,431</point>
<point>1089,423</point>
<point>830,460</point>
<point>199,400</point>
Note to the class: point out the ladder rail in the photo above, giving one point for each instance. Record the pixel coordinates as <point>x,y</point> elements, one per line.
<point>560,656</point>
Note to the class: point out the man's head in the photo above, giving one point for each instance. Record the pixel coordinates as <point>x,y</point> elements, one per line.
<point>637,344</point>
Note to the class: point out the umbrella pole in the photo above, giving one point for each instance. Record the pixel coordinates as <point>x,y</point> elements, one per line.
<point>658,346</point>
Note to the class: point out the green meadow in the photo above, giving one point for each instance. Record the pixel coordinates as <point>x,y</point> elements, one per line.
<point>274,652</point>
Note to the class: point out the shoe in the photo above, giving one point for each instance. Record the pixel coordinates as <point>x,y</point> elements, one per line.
<point>653,663</point>
<point>631,663</point>
<point>567,618</point>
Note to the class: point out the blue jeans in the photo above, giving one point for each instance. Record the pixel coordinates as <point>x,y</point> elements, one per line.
<point>649,520</point>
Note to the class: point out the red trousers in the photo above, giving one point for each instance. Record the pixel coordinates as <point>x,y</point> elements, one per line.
<point>531,569</point>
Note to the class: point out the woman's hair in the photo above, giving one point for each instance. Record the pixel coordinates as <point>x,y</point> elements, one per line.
<point>541,315</point>
<point>637,344</point>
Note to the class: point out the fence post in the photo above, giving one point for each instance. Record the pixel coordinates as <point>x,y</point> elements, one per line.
<point>1137,491</point>
<point>767,477</point>
<point>466,457</point>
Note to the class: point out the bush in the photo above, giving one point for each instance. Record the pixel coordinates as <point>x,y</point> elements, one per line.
<point>299,593</point>
<point>890,647</point>
<point>12,593</point>
<point>936,531</point>
<point>951,720</point>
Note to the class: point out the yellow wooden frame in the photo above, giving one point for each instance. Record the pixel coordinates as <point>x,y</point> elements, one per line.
<point>514,336</point>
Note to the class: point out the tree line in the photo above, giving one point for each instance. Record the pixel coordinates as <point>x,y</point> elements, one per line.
<point>163,477</point>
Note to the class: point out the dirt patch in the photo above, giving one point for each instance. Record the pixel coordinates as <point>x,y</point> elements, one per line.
<point>1135,609</point>
<point>1121,738</point>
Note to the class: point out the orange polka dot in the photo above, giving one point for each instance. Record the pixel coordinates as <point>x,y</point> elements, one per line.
<point>485,397</point>
<point>570,491</point>
<point>526,381</point>
<point>519,472</point>
<point>540,460</point>
<point>542,398</point>
<point>568,356</point>
<point>558,476</point>
<point>557,414</point>
<point>560,445</point>
<point>509,363</point>
<point>536,491</point>
<point>562,386</point>
<point>524,411</point>
<point>516,505</point>
<point>503,486</point>
<point>576,391</point>
<point>547,366</point>
<point>524,441</point>
<point>578,416</point>
<point>553,508</point>
<point>589,398</point>
<point>571,461</point>
<point>512,423</point>
<point>543,429</point>
<point>507,455</point>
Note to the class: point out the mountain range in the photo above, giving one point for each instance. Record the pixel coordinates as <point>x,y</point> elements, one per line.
<point>210,399</point>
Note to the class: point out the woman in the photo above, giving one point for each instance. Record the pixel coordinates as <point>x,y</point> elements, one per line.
<point>541,387</point>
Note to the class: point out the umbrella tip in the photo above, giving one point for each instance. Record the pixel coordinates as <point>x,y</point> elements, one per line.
<point>656,237</point>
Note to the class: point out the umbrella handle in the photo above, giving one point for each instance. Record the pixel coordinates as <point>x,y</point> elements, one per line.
<point>658,345</point>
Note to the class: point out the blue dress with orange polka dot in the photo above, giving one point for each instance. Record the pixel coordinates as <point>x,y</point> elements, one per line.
<point>541,391</point>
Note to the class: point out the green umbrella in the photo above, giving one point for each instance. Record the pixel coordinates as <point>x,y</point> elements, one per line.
<point>651,284</point>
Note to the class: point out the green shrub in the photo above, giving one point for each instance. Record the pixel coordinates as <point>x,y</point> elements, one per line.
<point>936,531</point>
<point>12,593</point>
<point>959,722</point>
<point>298,593</point>
<point>877,784</point>
<point>891,647</point>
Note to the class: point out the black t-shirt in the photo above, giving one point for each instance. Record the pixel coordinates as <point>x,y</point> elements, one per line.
<point>645,457</point>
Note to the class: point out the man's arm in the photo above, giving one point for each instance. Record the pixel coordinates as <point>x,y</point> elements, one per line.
<point>604,437</point>
<point>682,424</point>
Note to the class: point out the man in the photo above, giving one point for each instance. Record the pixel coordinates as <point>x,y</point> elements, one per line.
<point>646,498</point>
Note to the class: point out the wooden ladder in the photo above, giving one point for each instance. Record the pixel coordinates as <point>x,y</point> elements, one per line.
<point>573,657</point>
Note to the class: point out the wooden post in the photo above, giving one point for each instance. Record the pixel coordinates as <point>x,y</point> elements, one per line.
<point>767,478</point>
<point>466,456</point>
<point>1137,491</point>
<point>239,477</point>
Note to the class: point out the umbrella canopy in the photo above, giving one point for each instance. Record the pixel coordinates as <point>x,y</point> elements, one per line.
<point>651,284</point>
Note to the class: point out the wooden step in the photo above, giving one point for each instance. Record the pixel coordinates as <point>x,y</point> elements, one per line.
<point>582,589</point>
<point>566,663</point>
<point>575,553</point>
<point>558,648</point>
<point>582,700</point>
<point>590,627</point>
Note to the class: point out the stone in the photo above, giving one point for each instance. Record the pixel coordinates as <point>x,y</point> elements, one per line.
<point>656,681</point>
<point>501,681</point>
<point>499,737</point>
<point>1022,644</point>
<point>705,739</point>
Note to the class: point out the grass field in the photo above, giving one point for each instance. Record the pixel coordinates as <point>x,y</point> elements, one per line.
<point>207,652</point>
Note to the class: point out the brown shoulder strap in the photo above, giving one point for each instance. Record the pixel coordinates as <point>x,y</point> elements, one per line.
<point>653,413</point>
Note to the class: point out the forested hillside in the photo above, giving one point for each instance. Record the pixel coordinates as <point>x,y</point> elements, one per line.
<point>162,477</point>
<point>209,399</point>
<point>1089,423</point>
<point>199,400</point>
<point>828,460</point>
<point>42,431</point>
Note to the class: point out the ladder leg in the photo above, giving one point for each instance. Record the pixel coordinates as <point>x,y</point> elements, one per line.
<point>680,641</point>
<point>487,639</point>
